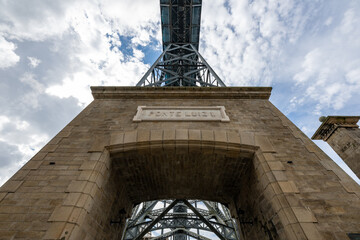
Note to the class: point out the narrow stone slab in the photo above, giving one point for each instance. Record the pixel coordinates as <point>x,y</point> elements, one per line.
<point>181,92</point>
<point>183,113</point>
<point>11,186</point>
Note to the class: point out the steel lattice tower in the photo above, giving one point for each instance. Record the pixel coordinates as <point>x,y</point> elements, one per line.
<point>180,64</point>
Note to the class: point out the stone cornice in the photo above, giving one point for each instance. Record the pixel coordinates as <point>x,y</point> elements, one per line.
<point>181,92</point>
<point>331,123</point>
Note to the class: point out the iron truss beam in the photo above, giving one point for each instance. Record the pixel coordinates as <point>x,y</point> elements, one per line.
<point>189,221</point>
<point>180,21</point>
<point>183,231</point>
<point>180,65</point>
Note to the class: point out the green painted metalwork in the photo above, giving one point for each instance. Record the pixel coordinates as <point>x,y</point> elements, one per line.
<point>180,22</point>
<point>180,64</point>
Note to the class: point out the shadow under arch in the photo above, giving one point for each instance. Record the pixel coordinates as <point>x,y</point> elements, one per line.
<point>217,171</point>
<point>181,170</point>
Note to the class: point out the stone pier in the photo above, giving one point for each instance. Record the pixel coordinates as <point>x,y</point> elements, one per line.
<point>343,134</point>
<point>134,144</point>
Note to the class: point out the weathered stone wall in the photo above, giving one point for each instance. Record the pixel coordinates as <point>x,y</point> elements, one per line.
<point>87,175</point>
<point>343,134</point>
<point>346,143</point>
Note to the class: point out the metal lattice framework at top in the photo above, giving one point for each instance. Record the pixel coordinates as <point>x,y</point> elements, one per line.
<point>180,219</point>
<point>180,64</point>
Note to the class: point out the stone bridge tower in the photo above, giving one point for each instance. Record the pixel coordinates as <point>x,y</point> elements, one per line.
<point>187,140</point>
<point>343,135</point>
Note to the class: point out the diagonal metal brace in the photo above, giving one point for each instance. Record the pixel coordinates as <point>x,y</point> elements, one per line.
<point>212,228</point>
<point>148,228</point>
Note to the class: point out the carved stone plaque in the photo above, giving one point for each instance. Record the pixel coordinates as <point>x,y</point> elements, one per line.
<point>190,113</point>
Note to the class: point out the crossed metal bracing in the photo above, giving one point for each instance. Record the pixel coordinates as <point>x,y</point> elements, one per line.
<point>180,219</point>
<point>180,65</point>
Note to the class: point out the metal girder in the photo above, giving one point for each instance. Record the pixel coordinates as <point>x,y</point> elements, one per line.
<point>180,65</point>
<point>180,21</point>
<point>187,222</point>
<point>149,227</point>
<point>212,228</point>
<point>183,230</point>
<point>179,223</point>
<point>139,216</point>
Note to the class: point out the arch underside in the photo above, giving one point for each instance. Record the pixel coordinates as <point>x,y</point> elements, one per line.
<point>223,172</point>
<point>210,171</point>
<point>185,172</point>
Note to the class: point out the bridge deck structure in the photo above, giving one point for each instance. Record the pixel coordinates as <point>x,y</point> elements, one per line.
<point>180,64</point>
<point>180,22</point>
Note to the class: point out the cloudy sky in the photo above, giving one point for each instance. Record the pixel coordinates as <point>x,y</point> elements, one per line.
<point>51,51</point>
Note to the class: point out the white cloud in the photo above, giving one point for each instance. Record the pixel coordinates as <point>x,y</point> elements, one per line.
<point>139,55</point>
<point>311,55</point>
<point>33,20</point>
<point>3,121</point>
<point>112,72</point>
<point>34,62</point>
<point>8,57</point>
<point>78,86</point>
<point>349,21</point>
<point>328,21</point>
<point>329,74</point>
<point>32,145</point>
<point>18,143</point>
<point>22,125</point>
<point>244,44</point>
<point>94,46</point>
<point>17,150</point>
<point>353,76</point>
<point>310,66</point>
<point>31,97</point>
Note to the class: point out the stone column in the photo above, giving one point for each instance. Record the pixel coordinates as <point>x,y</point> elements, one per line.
<point>343,134</point>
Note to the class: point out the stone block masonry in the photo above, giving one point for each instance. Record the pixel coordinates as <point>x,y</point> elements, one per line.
<point>83,184</point>
<point>343,134</point>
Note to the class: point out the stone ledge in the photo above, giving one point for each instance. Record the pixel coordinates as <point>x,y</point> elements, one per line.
<point>181,92</point>
<point>180,139</point>
<point>331,123</point>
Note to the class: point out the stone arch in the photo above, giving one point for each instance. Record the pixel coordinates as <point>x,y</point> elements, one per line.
<point>246,184</point>
<point>190,170</point>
